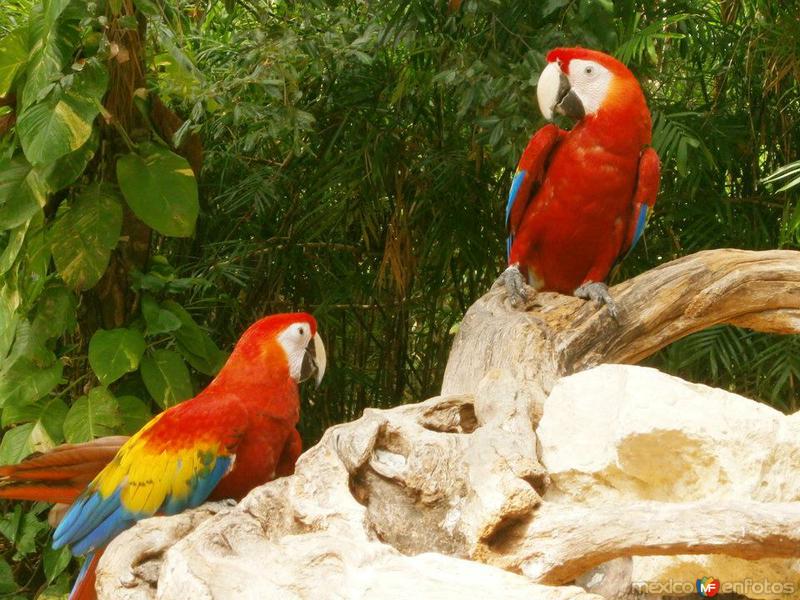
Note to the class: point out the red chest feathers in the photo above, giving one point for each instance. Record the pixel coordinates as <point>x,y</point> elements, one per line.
<point>575,224</point>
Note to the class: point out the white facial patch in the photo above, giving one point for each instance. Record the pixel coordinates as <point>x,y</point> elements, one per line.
<point>590,82</point>
<point>294,340</point>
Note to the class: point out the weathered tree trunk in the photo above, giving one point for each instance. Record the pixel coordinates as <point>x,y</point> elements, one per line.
<point>389,506</point>
<point>560,335</point>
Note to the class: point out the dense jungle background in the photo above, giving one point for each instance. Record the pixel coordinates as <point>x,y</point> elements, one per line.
<point>171,170</point>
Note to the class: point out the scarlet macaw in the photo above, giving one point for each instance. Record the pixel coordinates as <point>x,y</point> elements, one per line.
<point>236,434</point>
<point>580,199</point>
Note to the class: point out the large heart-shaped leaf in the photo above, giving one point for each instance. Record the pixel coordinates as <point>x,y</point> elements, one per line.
<point>55,312</point>
<point>135,414</point>
<point>166,377</point>
<point>62,122</point>
<point>13,57</point>
<point>161,189</point>
<point>92,416</point>
<point>24,382</point>
<point>48,412</point>
<point>21,192</point>
<point>19,442</point>
<point>48,130</point>
<point>84,234</point>
<point>112,353</point>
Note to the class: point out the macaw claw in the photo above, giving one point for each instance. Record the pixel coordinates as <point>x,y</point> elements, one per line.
<point>519,292</point>
<point>598,293</point>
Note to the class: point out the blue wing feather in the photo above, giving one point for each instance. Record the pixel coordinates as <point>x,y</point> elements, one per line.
<point>93,521</point>
<point>86,512</point>
<point>641,221</point>
<point>512,194</point>
<point>114,524</point>
<point>512,198</point>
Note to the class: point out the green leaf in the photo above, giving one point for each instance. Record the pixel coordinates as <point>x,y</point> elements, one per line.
<point>55,561</point>
<point>53,10</point>
<point>24,382</point>
<point>34,263</point>
<point>21,192</point>
<point>9,318</point>
<point>195,344</point>
<point>7,584</point>
<point>15,240</point>
<point>112,353</point>
<point>62,123</point>
<point>66,170</point>
<point>58,590</point>
<point>550,6</point>
<point>19,442</point>
<point>30,529</point>
<point>13,57</point>
<point>11,521</point>
<point>166,377</point>
<point>148,7</point>
<point>53,42</point>
<point>55,312</point>
<point>159,320</point>
<point>48,130</point>
<point>135,414</point>
<point>92,416</point>
<point>160,189</point>
<point>84,234</point>
<point>27,346</point>
<point>48,412</point>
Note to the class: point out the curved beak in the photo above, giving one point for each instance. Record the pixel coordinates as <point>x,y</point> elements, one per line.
<point>555,94</point>
<point>314,360</point>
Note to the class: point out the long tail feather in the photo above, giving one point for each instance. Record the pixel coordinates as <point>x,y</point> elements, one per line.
<point>84,585</point>
<point>41,493</point>
<point>60,475</point>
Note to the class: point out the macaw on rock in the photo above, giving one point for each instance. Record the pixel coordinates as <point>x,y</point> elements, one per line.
<point>580,199</point>
<point>236,434</point>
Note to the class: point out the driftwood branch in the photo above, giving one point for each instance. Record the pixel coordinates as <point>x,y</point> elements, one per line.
<point>559,335</point>
<point>395,501</point>
<point>562,542</point>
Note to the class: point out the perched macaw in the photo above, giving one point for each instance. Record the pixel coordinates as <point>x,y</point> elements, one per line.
<point>233,436</point>
<point>580,199</point>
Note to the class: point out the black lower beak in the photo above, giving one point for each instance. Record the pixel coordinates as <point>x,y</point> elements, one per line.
<point>309,367</point>
<point>567,101</point>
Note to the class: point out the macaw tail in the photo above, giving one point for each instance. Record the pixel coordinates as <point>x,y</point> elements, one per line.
<point>84,585</point>
<point>60,475</point>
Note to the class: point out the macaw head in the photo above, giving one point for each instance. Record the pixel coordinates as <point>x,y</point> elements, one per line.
<point>279,345</point>
<point>578,82</point>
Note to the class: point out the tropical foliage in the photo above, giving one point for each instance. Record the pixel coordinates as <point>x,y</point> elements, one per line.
<point>355,157</point>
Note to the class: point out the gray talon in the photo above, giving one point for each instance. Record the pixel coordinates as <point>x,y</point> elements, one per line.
<point>598,293</point>
<point>517,289</point>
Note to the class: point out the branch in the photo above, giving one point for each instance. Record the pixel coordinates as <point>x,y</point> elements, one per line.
<point>562,542</point>
<point>561,335</point>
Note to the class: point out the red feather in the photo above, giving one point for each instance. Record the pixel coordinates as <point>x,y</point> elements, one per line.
<point>60,475</point>
<point>578,218</point>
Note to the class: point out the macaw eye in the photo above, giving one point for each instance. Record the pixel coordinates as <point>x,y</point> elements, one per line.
<point>589,70</point>
<point>301,331</point>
